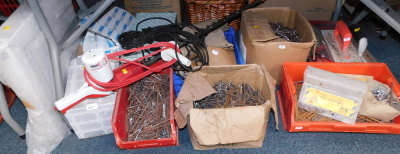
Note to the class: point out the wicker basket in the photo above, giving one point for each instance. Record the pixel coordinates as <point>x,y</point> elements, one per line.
<point>202,10</point>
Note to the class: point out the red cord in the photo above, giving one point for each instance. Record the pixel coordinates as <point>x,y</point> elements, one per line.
<point>115,85</point>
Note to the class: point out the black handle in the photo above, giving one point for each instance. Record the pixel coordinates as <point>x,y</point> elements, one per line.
<point>357,32</point>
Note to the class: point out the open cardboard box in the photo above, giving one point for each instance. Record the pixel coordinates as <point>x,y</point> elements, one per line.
<point>135,6</point>
<point>262,46</point>
<point>237,127</point>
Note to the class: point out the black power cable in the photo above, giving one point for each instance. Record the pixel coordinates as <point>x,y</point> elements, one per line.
<point>195,47</point>
<point>193,43</point>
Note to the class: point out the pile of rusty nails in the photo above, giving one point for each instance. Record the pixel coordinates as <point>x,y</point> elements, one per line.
<point>230,95</point>
<point>148,112</point>
<point>284,32</point>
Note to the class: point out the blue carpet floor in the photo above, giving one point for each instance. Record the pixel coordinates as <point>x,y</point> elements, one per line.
<point>386,51</point>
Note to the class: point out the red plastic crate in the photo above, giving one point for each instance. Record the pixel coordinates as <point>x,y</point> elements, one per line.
<point>287,97</point>
<point>10,98</point>
<point>7,7</point>
<point>119,121</point>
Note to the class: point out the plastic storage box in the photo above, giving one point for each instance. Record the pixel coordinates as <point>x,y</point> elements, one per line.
<point>119,124</point>
<point>287,97</point>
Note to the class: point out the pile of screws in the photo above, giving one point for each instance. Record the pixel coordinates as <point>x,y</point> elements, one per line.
<point>230,95</point>
<point>285,32</point>
<point>385,94</point>
<point>148,112</point>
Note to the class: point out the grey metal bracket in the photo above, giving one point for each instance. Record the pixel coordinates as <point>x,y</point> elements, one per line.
<point>383,10</point>
<point>337,10</point>
<point>97,9</point>
<point>54,48</point>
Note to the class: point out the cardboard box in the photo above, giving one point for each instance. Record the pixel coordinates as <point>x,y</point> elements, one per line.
<point>237,127</point>
<point>96,41</point>
<point>262,46</point>
<point>113,23</point>
<point>220,56</point>
<point>104,33</point>
<point>310,9</point>
<point>90,119</point>
<point>92,116</point>
<point>79,50</point>
<point>135,6</point>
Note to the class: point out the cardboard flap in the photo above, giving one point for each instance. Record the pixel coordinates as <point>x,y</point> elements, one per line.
<point>228,125</point>
<point>195,88</point>
<point>258,27</point>
<point>271,86</point>
<point>197,146</point>
<point>372,107</point>
<point>389,112</point>
<point>376,109</point>
<point>180,119</point>
<point>219,56</point>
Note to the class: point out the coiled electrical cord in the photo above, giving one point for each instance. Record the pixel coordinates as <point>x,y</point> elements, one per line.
<point>195,47</point>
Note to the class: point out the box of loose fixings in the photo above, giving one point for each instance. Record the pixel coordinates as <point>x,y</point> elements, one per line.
<point>274,35</point>
<point>143,116</point>
<point>226,106</point>
<point>378,108</point>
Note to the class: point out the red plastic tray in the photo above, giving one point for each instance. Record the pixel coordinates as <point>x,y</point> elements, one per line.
<point>287,97</point>
<point>7,7</point>
<point>119,122</point>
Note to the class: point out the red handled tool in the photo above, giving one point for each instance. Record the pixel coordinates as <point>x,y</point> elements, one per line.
<point>343,37</point>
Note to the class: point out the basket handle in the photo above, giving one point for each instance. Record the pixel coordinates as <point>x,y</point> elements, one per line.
<point>212,2</point>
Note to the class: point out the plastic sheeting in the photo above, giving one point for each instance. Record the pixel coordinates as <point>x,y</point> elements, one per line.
<point>25,67</point>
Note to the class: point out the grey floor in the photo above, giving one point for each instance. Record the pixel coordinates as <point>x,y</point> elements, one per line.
<point>386,51</point>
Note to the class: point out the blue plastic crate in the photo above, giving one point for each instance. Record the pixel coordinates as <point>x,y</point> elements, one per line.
<point>178,83</point>
<point>231,37</point>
